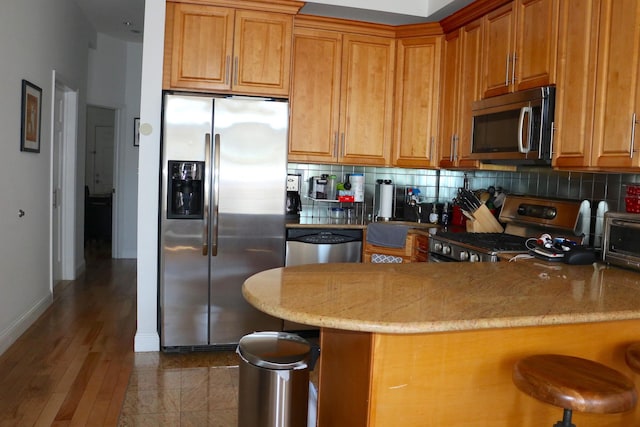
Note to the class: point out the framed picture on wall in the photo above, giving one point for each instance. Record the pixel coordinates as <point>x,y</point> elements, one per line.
<point>136,132</point>
<point>30,117</point>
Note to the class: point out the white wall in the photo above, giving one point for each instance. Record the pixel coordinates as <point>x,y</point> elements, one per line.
<point>147,338</point>
<point>114,82</point>
<point>36,37</point>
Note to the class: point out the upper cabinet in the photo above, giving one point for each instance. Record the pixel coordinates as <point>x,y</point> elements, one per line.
<point>416,102</point>
<point>598,95</point>
<point>576,85</point>
<point>461,86</point>
<point>520,46</point>
<point>617,106</point>
<point>221,49</point>
<point>341,97</point>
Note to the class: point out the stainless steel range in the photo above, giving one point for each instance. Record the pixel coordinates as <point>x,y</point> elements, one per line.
<point>526,218</point>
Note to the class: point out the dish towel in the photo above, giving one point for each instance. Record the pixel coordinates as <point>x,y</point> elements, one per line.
<point>385,259</point>
<point>388,235</point>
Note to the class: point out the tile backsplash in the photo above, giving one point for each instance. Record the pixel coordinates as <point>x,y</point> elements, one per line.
<point>604,191</point>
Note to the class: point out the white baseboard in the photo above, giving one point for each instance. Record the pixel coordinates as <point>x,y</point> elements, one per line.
<point>22,323</point>
<point>146,342</point>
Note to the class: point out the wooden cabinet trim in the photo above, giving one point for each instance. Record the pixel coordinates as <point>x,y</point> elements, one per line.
<point>281,6</point>
<point>344,26</point>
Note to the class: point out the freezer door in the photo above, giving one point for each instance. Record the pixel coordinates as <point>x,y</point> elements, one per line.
<point>248,203</point>
<point>184,270</point>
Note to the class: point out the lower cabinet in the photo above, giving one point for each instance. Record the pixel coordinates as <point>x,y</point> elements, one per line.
<point>416,249</point>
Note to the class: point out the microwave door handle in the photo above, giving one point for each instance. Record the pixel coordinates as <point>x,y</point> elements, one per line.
<point>524,111</point>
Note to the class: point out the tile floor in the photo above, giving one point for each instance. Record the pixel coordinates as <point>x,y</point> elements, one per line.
<point>183,389</point>
<point>188,389</point>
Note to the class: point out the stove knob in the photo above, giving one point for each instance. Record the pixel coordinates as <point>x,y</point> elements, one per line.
<point>474,258</point>
<point>464,255</point>
<point>437,246</point>
<point>446,249</point>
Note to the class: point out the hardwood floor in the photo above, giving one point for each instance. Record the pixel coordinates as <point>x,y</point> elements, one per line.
<point>76,367</point>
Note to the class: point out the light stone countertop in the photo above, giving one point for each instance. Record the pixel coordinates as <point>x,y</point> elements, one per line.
<point>437,297</point>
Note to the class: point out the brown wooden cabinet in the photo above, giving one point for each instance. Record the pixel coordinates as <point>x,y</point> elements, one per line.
<point>598,94</point>
<point>461,86</point>
<point>416,102</point>
<point>617,105</point>
<point>416,249</point>
<point>520,46</point>
<point>575,90</point>
<point>341,97</point>
<point>221,49</point>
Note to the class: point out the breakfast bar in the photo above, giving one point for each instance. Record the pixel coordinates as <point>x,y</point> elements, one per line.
<point>433,344</point>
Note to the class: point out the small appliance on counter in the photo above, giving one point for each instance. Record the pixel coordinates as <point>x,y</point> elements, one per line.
<point>383,200</point>
<point>318,187</point>
<point>294,204</point>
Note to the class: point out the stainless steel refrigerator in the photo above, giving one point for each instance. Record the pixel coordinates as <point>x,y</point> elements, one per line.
<point>224,168</point>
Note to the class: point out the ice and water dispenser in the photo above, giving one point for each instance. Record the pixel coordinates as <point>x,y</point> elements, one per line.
<point>185,191</point>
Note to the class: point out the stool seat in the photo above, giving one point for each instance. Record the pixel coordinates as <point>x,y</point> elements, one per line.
<point>632,357</point>
<point>574,383</point>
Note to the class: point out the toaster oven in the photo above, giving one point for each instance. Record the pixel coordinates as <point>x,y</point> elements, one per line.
<point>621,239</point>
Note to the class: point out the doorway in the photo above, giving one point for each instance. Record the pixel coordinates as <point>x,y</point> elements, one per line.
<point>63,178</point>
<point>99,187</point>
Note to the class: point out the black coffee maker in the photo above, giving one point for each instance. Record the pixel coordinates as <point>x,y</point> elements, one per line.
<point>294,204</point>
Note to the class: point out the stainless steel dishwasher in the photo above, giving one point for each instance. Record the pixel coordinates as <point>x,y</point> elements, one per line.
<point>318,246</point>
<point>322,245</point>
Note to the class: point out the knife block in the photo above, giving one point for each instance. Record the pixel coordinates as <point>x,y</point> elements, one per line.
<point>484,222</point>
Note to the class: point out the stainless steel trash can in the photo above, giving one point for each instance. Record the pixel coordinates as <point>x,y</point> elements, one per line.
<point>274,380</point>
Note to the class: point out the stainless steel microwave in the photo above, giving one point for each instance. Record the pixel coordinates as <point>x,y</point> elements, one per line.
<point>621,239</point>
<point>516,128</point>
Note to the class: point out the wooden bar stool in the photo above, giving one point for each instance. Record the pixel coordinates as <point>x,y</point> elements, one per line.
<point>573,383</point>
<point>632,356</point>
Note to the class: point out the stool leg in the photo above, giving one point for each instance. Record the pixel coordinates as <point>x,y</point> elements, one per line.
<point>566,420</point>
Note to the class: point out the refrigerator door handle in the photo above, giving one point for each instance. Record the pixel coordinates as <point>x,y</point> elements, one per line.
<point>207,192</point>
<point>216,194</point>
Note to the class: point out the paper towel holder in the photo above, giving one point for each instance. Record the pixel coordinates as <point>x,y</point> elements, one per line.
<point>384,200</point>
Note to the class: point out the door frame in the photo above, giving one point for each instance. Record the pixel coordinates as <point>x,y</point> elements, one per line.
<point>68,161</point>
<point>117,129</point>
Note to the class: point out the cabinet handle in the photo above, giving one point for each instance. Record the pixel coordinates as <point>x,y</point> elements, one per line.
<point>430,149</point>
<point>634,121</point>
<point>506,71</point>
<point>235,71</point>
<point>513,69</point>
<point>227,69</point>
<point>335,144</point>
<point>342,145</point>
<point>455,147</point>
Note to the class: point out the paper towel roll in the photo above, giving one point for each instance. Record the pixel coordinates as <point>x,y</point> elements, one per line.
<point>386,201</point>
<point>357,185</point>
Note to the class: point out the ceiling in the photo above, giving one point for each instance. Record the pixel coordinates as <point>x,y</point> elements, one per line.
<point>124,19</point>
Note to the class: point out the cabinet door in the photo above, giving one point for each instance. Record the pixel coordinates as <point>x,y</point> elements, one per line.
<point>470,89</point>
<point>202,47</point>
<point>416,103</point>
<point>262,52</point>
<point>315,96</point>
<point>366,108</point>
<point>450,98</point>
<point>575,92</point>
<point>615,142</point>
<point>499,47</point>
<point>536,44</point>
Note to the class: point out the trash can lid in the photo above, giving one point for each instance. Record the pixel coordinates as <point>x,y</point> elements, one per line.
<point>275,350</point>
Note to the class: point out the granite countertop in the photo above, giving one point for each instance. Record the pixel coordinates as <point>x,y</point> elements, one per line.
<point>437,297</point>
